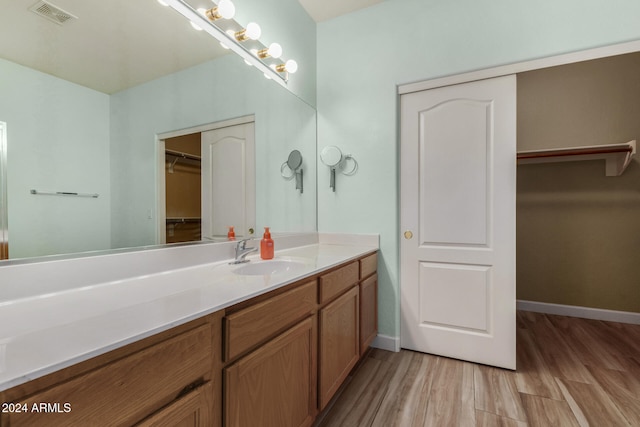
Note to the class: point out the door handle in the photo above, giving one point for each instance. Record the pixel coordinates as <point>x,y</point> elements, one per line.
<point>408,235</point>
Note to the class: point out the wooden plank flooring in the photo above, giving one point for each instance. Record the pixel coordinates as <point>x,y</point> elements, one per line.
<point>570,372</point>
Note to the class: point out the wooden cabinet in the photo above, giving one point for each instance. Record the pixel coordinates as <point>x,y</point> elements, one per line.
<point>275,360</point>
<point>274,375</point>
<point>339,343</point>
<point>128,385</point>
<point>274,382</point>
<point>274,386</point>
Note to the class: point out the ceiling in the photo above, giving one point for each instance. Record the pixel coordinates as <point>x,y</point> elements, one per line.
<point>322,10</point>
<point>118,44</point>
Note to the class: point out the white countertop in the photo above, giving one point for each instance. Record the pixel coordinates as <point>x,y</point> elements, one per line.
<point>44,333</point>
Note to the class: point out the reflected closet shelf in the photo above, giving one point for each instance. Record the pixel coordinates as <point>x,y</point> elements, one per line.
<point>182,220</point>
<point>174,156</point>
<point>616,156</point>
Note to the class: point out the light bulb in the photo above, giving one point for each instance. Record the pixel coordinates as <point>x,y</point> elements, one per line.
<point>274,50</point>
<point>290,67</point>
<point>226,9</point>
<point>252,32</point>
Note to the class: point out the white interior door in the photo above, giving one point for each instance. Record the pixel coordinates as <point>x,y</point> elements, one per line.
<point>228,181</point>
<point>458,186</point>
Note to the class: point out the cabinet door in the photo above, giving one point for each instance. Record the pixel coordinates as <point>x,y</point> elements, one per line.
<point>368,312</point>
<point>275,386</point>
<point>191,410</point>
<point>339,343</point>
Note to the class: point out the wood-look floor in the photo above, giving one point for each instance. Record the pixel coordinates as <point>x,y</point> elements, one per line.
<point>570,372</point>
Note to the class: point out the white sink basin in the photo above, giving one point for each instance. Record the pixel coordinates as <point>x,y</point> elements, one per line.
<point>260,268</point>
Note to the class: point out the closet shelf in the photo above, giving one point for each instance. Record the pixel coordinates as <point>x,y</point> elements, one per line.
<point>616,156</point>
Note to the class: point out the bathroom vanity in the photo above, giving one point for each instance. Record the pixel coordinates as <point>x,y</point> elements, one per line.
<point>259,348</point>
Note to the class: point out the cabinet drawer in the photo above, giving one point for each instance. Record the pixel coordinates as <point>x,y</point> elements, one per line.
<point>338,281</point>
<point>257,323</point>
<point>128,390</point>
<point>192,409</point>
<point>368,265</point>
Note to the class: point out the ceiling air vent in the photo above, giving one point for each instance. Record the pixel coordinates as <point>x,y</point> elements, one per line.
<point>51,12</point>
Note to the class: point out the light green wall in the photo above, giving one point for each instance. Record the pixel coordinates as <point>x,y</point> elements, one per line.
<point>57,140</point>
<point>364,55</point>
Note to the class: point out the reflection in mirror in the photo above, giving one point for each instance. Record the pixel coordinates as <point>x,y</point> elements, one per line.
<point>86,115</point>
<point>294,165</point>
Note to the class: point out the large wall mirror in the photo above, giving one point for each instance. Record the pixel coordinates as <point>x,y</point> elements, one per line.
<point>86,102</point>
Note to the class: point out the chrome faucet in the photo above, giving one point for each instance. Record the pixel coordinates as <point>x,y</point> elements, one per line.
<point>242,251</point>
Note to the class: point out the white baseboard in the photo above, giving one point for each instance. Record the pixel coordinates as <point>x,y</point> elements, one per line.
<point>385,342</point>
<point>577,311</point>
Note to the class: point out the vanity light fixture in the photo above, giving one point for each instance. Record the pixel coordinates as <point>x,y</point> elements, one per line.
<point>219,23</point>
<point>252,32</point>
<point>274,51</point>
<point>225,9</point>
<point>290,66</point>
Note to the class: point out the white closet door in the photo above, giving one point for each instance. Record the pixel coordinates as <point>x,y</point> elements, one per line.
<point>458,186</point>
<point>228,181</point>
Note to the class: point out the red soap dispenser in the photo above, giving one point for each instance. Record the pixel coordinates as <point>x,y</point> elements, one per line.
<point>266,245</point>
<point>231,235</point>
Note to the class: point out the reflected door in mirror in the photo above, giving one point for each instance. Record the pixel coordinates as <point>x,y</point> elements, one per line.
<point>228,181</point>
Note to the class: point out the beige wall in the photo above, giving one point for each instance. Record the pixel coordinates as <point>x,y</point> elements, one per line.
<point>578,231</point>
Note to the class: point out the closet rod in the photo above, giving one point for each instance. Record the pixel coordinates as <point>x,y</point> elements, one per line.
<point>182,155</point>
<point>64,193</point>
<point>574,152</point>
<point>616,156</point>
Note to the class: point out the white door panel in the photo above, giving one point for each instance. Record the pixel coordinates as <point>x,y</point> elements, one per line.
<point>458,164</point>
<point>443,285</point>
<point>456,212</point>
